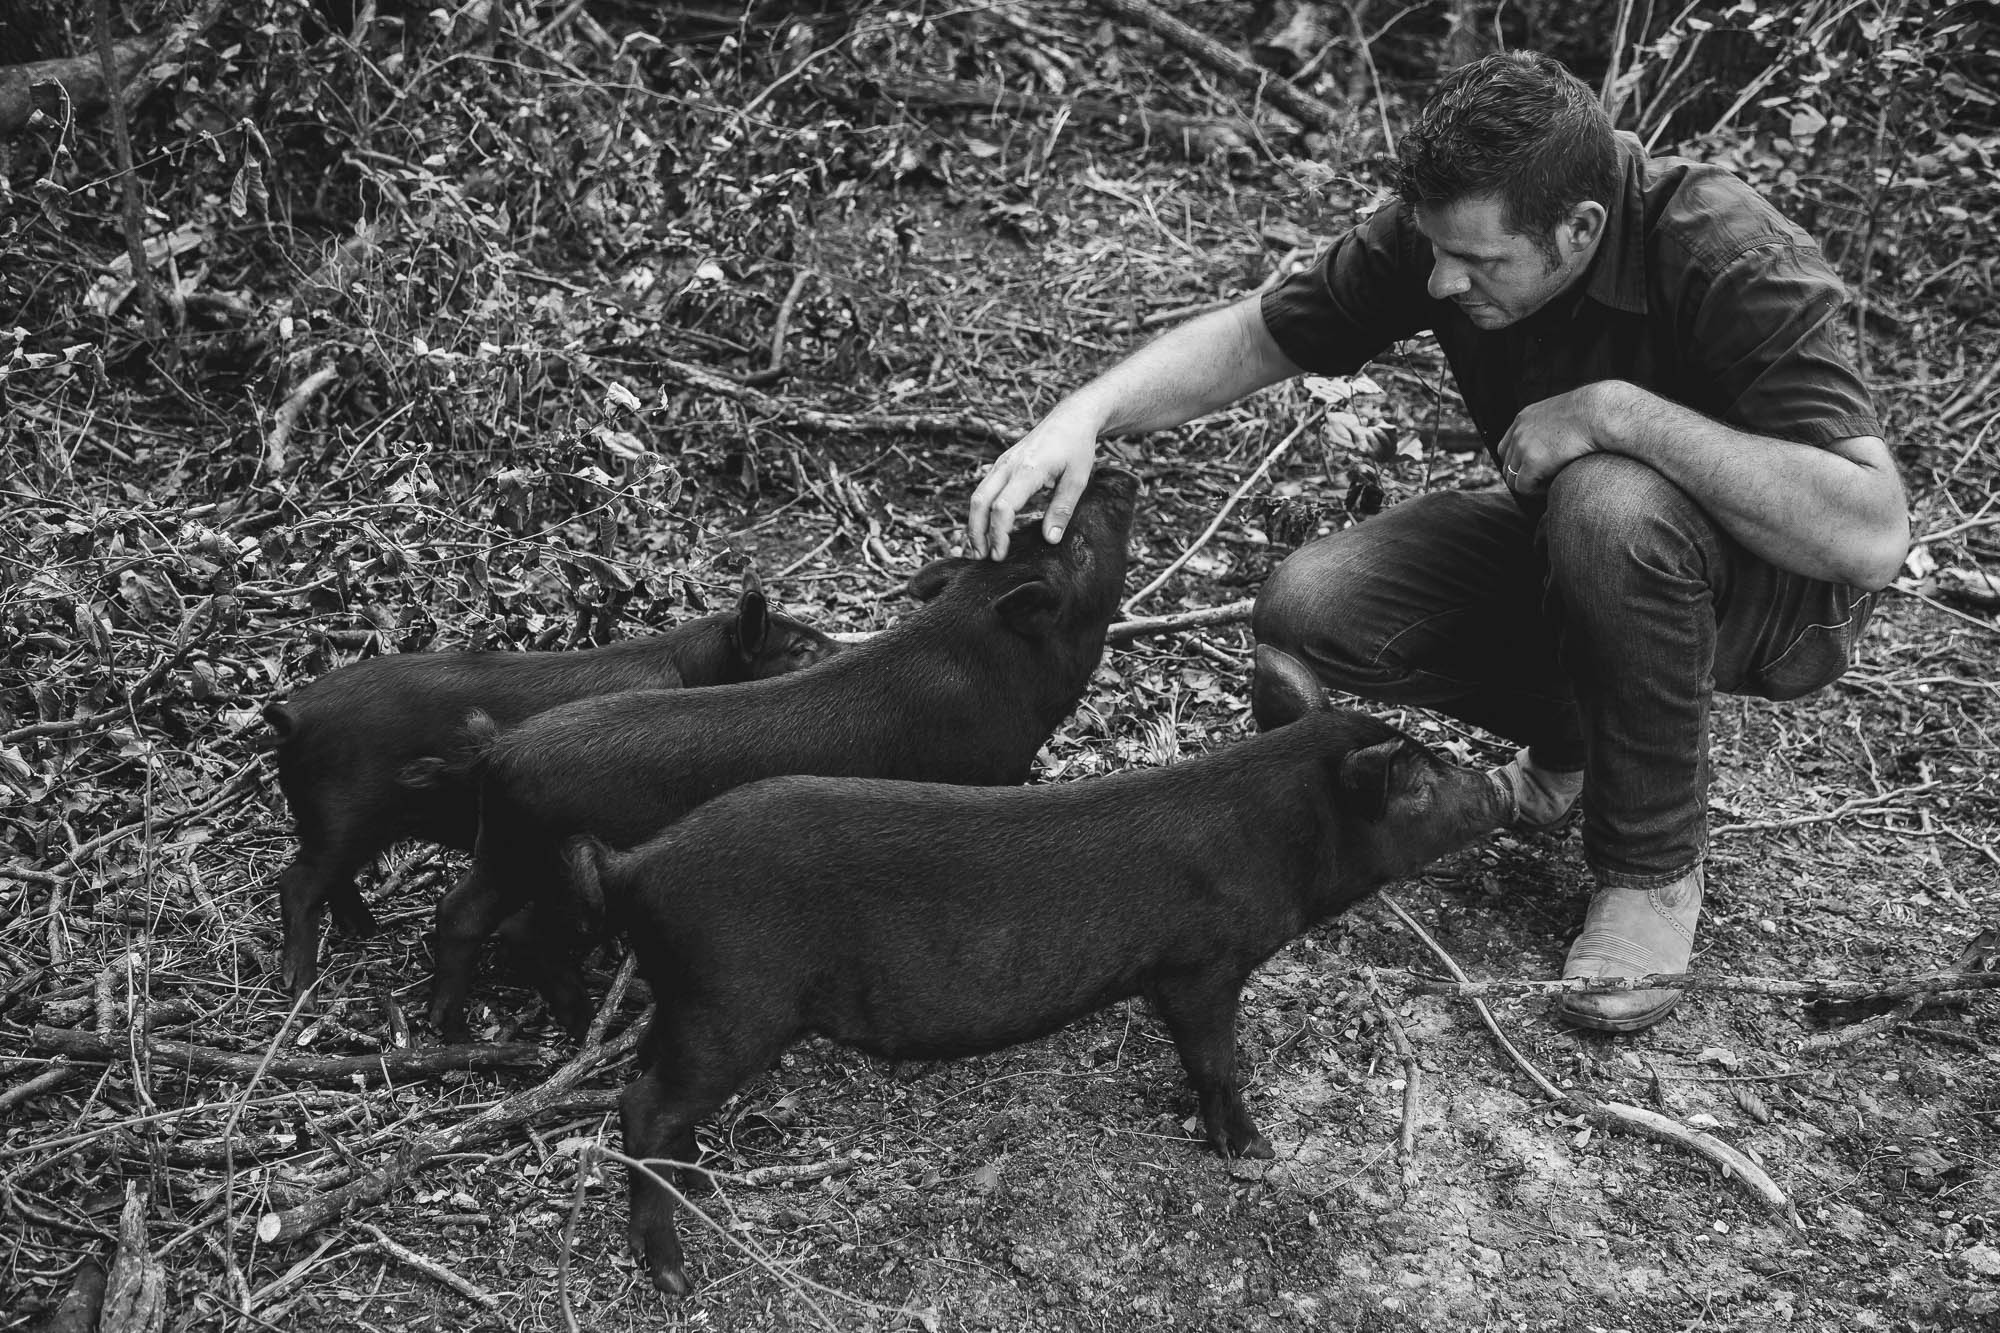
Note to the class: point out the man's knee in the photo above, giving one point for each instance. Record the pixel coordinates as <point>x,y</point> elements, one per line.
<point>1611,517</point>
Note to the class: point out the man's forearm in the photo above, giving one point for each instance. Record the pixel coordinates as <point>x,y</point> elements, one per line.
<point>1185,373</point>
<point>1836,513</point>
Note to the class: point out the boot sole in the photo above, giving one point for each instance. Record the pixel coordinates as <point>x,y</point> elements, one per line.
<point>1645,1018</point>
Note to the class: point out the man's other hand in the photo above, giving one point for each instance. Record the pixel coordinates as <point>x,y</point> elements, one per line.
<point>1548,436</point>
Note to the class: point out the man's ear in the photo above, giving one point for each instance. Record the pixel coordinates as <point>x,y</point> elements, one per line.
<point>1583,228</point>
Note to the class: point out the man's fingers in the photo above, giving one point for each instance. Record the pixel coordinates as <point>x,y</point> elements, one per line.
<point>1069,488</point>
<point>982,501</point>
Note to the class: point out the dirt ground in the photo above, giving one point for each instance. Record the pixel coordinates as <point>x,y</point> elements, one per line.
<point>1061,1185</point>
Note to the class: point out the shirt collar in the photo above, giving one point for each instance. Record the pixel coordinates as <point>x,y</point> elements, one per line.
<point>1618,271</point>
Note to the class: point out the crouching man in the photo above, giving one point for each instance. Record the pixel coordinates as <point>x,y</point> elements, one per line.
<point>1697,493</point>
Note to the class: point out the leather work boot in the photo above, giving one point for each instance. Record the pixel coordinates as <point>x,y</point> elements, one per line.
<point>1631,933</point>
<point>1543,797</point>
<point>1283,689</point>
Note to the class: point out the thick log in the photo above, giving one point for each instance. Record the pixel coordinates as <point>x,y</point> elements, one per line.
<point>82,77</point>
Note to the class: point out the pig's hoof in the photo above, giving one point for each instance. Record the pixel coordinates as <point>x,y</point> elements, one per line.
<point>673,1280</point>
<point>1258,1146</point>
<point>355,920</point>
<point>450,1027</point>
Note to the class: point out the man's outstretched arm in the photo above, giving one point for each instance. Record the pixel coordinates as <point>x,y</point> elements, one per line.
<point>1835,512</point>
<point>1187,372</point>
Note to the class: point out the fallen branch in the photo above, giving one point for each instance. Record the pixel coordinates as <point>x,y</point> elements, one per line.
<point>48,1080</point>
<point>1980,953</point>
<point>1303,106</point>
<point>839,423</point>
<point>1145,626</point>
<point>398,1065</point>
<point>1618,1115</point>
<point>277,447</point>
<point>1855,806</point>
<point>1406,1054</point>
<point>308,1217</point>
<point>781,327</point>
<point>1937,983</point>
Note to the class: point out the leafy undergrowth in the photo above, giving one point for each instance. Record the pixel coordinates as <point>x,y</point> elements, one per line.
<point>448,296</point>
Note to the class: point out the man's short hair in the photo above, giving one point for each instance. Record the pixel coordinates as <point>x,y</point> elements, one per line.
<point>1517,126</point>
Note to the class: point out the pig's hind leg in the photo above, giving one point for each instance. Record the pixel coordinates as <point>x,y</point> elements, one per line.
<point>1200,1012</point>
<point>696,1066</point>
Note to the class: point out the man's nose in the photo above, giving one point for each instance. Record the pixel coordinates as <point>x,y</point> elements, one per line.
<point>1448,280</point>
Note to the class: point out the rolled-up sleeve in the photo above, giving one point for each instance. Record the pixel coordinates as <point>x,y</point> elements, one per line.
<point>1365,293</point>
<point>1769,330</point>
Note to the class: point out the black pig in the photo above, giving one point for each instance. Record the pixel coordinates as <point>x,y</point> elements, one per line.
<point>963,690</point>
<point>921,922</point>
<point>361,749</point>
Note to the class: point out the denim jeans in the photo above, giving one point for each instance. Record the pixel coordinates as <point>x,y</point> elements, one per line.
<point>1594,629</point>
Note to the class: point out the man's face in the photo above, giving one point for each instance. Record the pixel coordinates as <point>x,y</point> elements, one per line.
<point>1498,277</point>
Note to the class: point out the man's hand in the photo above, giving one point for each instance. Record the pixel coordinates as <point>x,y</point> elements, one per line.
<point>1548,436</point>
<point>1059,452</point>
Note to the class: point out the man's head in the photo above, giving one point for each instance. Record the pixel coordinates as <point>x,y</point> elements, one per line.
<point>1509,171</point>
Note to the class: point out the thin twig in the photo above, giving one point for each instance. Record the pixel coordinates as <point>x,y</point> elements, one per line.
<point>1277,452</point>
<point>1140,627</point>
<point>1845,992</point>
<point>437,1272</point>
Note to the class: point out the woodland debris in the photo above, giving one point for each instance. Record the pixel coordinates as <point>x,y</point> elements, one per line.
<point>1194,137</point>
<point>1303,106</point>
<point>1619,1115</point>
<point>508,1113</point>
<point>1296,37</point>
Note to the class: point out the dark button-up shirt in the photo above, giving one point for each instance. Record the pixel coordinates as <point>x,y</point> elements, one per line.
<point>1700,291</point>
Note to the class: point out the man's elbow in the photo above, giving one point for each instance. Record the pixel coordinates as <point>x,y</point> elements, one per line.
<point>1874,561</point>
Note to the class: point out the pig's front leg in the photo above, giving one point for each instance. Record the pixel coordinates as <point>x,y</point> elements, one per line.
<point>1200,1012</point>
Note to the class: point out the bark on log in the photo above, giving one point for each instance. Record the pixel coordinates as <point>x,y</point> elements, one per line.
<point>1309,110</point>
<point>82,77</point>
<point>307,1068</point>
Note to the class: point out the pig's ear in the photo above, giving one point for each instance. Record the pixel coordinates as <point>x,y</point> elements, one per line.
<point>1367,778</point>
<point>1029,609</point>
<point>752,614</point>
<point>932,579</point>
